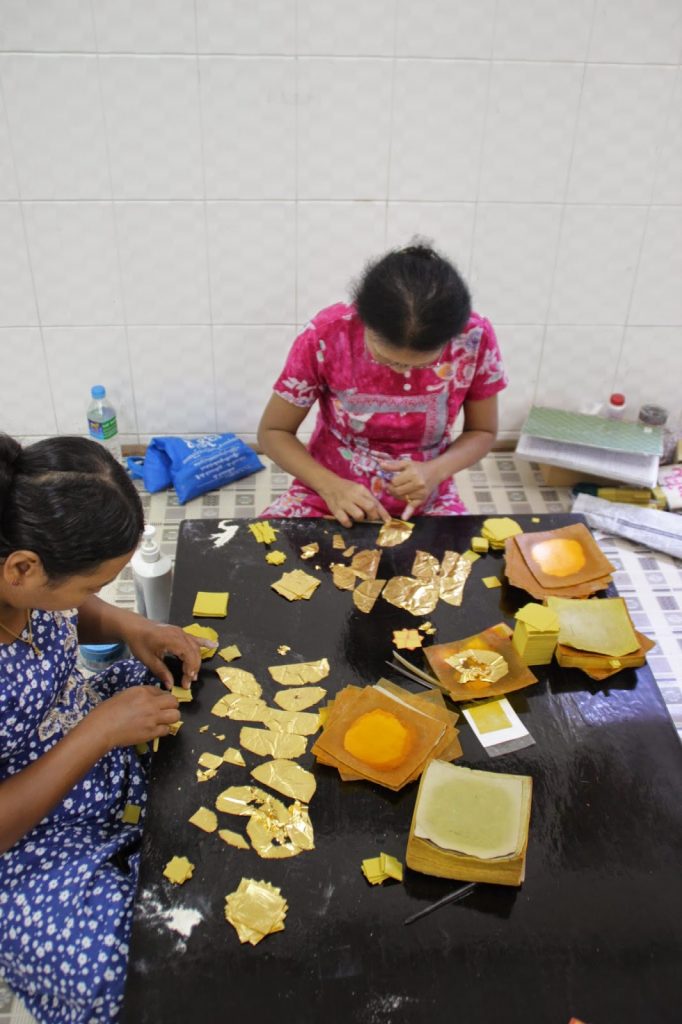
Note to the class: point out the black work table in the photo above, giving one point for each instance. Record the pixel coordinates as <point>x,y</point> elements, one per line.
<point>595,931</point>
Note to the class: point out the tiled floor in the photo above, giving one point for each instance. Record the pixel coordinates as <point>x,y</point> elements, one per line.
<point>500,484</point>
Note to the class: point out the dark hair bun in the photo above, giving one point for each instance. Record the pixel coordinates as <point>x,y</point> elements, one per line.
<point>10,450</point>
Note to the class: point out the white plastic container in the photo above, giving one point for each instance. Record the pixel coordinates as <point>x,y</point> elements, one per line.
<point>615,407</point>
<point>102,422</point>
<point>153,576</point>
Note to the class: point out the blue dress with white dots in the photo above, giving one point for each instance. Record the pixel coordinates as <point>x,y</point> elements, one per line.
<point>67,887</point>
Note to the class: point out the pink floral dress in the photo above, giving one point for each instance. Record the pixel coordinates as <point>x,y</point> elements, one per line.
<point>370,412</point>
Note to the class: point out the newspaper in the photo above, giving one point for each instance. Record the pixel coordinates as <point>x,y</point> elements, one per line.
<point>660,531</point>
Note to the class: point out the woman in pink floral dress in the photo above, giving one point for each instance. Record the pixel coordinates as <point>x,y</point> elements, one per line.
<point>391,373</point>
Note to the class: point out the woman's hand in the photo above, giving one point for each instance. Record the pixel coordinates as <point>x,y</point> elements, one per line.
<point>136,715</point>
<point>348,501</point>
<point>150,641</point>
<point>413,482</point>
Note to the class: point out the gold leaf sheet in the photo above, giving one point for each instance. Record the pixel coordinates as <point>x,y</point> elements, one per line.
<point>308,550</point>
<point>365,564</point>
<point>416,596</point>
<point>267,743</point>
<point>394,532</point>
<point>303,723</point>
<point>298,673</point>
<point>255,909</point>
<point>366,594</point>
<point>238,680</point>
<point>286,777</point>
<point>299,698</point>
<point>230,653</point>
<point>343,576</point>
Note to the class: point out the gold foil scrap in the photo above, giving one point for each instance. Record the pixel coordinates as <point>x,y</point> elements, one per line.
<point>365,564</point>
<point>255,909</point>
<point>308,550</point>
<point>208,760</point>
<point>283,649</point>
<point>203,633</point>
<point>263,532</point>
<point>343,576</point>
<point>296,586</point>
<point>349,552</point>
<point>230,653</point>
<point>301,672</point>
<point>302,723</point>
<point>175,727</point>
<point>478,666</point>
<point>414,596</point>
<point>300,698</point>
<point>366,594</point>
<point>181,695</point>
<point>407,639</point>
<point>204,819</point>
<point>204,728</point>
<point>275,558</point>
<point>238,680</point>
<point>452,587</point>
<point>425,566</point>
<point>277,831</point>
<point>286,777</point>
<point>395,531</point>
<point>240,708</point>
<point>267,743</point>
<point>233,838</point>
<point>338,543</point>
<point>240,799</point>
<point>234,756</point>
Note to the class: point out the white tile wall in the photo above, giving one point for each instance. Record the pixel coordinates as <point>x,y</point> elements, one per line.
<point>182,182</point>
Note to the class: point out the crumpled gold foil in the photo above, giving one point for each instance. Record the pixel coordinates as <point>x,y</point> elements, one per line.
<point>255,909</point>
<point>286,777</point>
<point>268,743</point>
<point>240,799</point>
<point>478,666</point>
<point>303,723</point>
<point>425,566</point>
<point>308,550</point>
<point>366,594</point>
<point>274,829</point>
<point>449,563</point>
<point>365,564</point>
<point>298,673</point>
<point>238,680</point>
<point>415,596</point>
<point>452,587</point>
<point>343,576</point>
<point>299,698</point>
<point>395,531</point>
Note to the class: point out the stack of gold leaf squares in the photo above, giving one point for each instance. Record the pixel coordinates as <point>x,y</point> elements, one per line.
<point>255,909</point>
<point>563,563</point>
<point>597,636</point>
<point>536,634</point>
<point>497,530</point>
<point>385,734</point>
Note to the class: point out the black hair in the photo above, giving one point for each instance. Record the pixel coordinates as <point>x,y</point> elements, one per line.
<point>413,298</point>
<point>68,500</point>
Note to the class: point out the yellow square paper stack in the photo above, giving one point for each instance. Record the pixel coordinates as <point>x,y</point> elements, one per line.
<point>536,634</point>
<point>496,531</point>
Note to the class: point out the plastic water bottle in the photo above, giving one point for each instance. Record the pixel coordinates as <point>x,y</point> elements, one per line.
<point>152,574</point>
<point>102,421</point>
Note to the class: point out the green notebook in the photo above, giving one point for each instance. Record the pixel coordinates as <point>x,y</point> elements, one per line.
<point>593,431</point>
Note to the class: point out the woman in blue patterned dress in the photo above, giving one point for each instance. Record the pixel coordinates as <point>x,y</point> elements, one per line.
<point>70,520</point>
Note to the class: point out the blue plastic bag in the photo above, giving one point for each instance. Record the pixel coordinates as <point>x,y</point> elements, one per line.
<point>196,466</point>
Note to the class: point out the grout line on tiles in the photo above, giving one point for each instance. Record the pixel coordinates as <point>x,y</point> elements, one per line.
<point>205,211</point>
<point>117,232</point>
<point>328,200</point>
<point>391,122</point>
<point>481,148</point>
<point>22,215</point>
<point>296,156</point>
<point>562,212</point>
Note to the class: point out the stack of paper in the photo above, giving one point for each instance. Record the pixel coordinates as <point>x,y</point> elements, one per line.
<point>536,634</point>
<point>497,530</point>
<point>385,734</point>
<point>470,825</point>
<point>597,636</point>
<point>564,562</point>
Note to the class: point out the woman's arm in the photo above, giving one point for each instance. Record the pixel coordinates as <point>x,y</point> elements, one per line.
<point>133,716</point>
<point>413,482</point>
<point>277,437</point>
<point>101,623</point>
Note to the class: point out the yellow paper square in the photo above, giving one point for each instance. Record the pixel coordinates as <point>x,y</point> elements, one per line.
<point>230,653</point>
<point>491,582</point>
<point>489,717</point>
<point>210,605</point>
<point>131,814</point>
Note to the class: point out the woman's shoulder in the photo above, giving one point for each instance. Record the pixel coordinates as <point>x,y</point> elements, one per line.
<point>338,317</point>
<point>478,324</point>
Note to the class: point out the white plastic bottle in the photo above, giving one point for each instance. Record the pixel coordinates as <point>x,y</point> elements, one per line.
<point>102,421</point>
<point>153,575</point>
